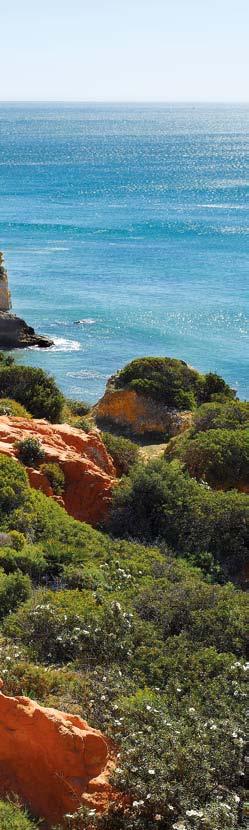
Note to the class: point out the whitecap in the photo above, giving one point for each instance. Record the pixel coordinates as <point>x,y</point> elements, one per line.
<point>87,321</point>
<point>86,373</point>
<point>61,344</point>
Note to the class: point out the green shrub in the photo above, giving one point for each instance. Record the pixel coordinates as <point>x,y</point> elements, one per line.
<point>14,589</point>
<point>231,415</point>
<point>164,379</point>
<point>70,626</point>
<point>78,407</point>
<point>12,408</point>
<point>30,451</point>
<point>55,476</point>
<point>159,501</point>
<point>83,423</point>
<point>30,560</point>
<point>14,489</point>
<point>33,389</point>
<point>171,382</point>
<point>219,456</point>
<point>124,452</point>
<point>214,387</point>
<point>14,817</point>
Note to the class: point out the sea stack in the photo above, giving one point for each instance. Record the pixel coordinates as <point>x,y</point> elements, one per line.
<point>14,332</point>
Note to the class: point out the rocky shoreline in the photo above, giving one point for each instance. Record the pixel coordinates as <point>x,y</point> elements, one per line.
<point>15,333</point>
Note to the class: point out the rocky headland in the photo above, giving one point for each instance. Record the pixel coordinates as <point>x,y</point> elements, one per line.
<point>15,333</point>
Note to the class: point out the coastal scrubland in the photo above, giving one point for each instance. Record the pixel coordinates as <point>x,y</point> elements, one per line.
<point>139,626</point>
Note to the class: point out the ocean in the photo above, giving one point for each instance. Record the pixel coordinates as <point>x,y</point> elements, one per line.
<point>133,219</point>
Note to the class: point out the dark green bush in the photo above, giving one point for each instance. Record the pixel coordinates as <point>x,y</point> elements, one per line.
<point>30,451</point>
<point>14,589</point>
<point>124,452</point>
<point>55,476</point>
<point>159,501</point>
<point>214,387</point>
<point>164,379</point>
<point>33,389</point>
<point>171,381</point>
<point>219,456</point>
<point>231,415</point>
<point>78,407</point>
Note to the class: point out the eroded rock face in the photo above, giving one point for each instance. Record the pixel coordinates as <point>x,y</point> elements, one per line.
<point>54,761</point>
<point>139,415</point>
<point>5,299</point>
<point>87,467</point>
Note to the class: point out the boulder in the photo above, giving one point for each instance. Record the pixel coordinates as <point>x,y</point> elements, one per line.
<point>87,467</point>
<point>52,760</point>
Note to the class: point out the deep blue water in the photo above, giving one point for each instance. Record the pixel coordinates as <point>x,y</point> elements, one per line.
<point>134,219</point>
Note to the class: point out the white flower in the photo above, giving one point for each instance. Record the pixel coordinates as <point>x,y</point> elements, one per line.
<point>191,710</point>
<point>151,771</point>
<point>197,813</point>
<point>137,803</point>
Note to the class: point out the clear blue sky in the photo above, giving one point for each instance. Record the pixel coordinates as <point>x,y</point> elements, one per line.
<point>124,50</point>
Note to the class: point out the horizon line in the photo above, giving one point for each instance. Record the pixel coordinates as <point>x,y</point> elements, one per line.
<point>96,101</point>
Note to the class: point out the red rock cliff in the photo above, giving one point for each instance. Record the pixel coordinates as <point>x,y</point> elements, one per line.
<point>87,467</point>
<point>54,761</point>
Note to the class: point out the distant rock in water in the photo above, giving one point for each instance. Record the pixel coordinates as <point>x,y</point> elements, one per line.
<point>14,332</point>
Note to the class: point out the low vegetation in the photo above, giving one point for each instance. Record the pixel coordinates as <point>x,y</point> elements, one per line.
<point>30,451</point>
<point>32,388</point>
<point>140,630</point>
<point>123,452</point>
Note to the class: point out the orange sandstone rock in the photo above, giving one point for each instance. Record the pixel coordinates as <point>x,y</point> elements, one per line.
<point>54,761</point>
<point>138,414</point>
<point>87,467</point>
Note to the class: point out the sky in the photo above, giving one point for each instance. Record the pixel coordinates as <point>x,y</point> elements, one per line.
<point>124,50</point>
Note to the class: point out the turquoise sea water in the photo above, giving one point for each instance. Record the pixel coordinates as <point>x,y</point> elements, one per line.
<point>135,220</point>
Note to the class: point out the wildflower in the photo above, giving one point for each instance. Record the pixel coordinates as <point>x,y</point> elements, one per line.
<point>196,813</point>
<point>151,771</point>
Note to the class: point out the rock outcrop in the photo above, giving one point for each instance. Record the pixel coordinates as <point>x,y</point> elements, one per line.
<point>54,761</point>
<point>5,298</point>
<point>87,467</point>
<point>135,414</point>
<point>14,332</point>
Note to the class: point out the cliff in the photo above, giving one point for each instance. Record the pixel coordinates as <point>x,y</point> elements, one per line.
<point>52,760</point>
<point>88,470</point>
<point>139,415</point>
<point>5,299</point>
<point>14,332</point>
